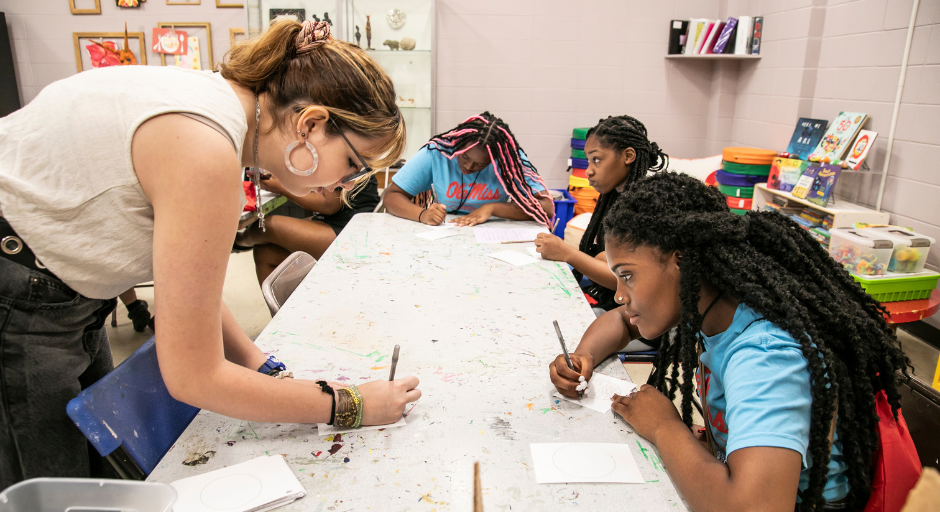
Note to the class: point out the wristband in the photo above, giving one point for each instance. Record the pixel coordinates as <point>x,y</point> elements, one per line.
<point>420,214</point>
<point>327,389</point>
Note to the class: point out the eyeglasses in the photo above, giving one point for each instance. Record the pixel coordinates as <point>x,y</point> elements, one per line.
<point>366,170</point>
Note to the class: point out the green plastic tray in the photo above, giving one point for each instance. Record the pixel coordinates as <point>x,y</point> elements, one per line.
<point>579,133</point>
<point>741,192</point>
<point>738,211</point>
<point>894,287</point>
<point>578,153</point>
<point>735,168</point>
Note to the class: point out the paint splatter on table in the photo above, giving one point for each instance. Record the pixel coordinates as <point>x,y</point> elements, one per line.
<point>478,333</point>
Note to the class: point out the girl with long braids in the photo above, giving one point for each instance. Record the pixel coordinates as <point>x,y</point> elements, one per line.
<point>619,152</point>
<point>475,168</point>
<point>791,352</point>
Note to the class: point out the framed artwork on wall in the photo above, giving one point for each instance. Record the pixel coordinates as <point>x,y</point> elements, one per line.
<point>199,54</point>
<point>222,4</point>
<point>298,15</point>
<point>85,6</point>
<point>101,49</point>
<point>235,35</point>
<point>183,2</point>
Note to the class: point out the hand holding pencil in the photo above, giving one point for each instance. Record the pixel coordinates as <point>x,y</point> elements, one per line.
<point>568,371</point>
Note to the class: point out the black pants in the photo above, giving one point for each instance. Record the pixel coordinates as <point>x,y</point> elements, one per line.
<point>53,344</point>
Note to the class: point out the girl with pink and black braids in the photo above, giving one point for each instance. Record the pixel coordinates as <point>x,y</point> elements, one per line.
<point>477,168</point>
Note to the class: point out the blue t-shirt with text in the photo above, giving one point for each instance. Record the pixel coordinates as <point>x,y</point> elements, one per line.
<point>429,167</point>
<point>757,386</point>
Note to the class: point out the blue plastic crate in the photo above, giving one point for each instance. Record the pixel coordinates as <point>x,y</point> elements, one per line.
<point>577,143</point>
<point>564,212</point>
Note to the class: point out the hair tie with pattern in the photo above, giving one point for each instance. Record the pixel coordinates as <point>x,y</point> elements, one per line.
<point>311,35</point>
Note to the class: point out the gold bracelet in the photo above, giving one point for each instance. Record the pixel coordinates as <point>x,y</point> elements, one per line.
<point>357,399</point>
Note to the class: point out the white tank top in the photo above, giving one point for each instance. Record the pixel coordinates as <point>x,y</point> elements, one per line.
<point>67,183</point>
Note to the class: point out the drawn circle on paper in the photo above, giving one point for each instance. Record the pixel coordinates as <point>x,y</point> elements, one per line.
<point>585,462</point>
<point>230,492</point>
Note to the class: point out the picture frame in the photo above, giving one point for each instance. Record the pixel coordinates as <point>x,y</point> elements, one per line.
<point>207,48</point>
<point>118,37</point>
<point>183,2</point>
<point>233,34</point>
<point>297,14</point>
<point>76,10</point>
<point>219,4</point>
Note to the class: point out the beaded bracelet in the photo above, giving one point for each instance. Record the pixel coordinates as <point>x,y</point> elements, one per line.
<point>327,389</point>
<point>348,407</point>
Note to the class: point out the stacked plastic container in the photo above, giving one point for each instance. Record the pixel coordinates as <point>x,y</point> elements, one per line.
<point>741,169</point>
<point>578,185</point>
<point>887,261</point>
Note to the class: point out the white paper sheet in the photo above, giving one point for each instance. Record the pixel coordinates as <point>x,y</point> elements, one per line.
<point>498,235</point>
<point>559,463</point>
<point>437,234</point>
<point>324,429</point>
<point>258,484</point>
<point>535,253</point>
<point>600,388</point>
<point>513,257</point>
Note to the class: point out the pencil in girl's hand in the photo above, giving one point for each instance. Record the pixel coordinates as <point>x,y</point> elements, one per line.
<point>564,349</point>
<point>516,241</point>
<point>391,374</point>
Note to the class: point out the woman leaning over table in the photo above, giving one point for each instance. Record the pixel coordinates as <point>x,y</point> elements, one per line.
<point>115,163</point>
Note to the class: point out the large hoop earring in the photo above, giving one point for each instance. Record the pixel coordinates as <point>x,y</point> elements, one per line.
<point>313,151</point>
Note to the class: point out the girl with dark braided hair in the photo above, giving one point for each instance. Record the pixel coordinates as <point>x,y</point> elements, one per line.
<point>791,352</point>
<point>618,153</point>
<point>475,168</point>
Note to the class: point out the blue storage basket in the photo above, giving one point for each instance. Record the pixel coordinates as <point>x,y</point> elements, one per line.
<point>739,180</point>
<point>577,144</point>
<point>564,212</point>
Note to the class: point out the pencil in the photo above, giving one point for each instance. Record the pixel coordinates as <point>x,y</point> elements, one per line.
<point>477,489</point>
<point>391,374</point>
<point>564,349</point>
<point>517,241</point>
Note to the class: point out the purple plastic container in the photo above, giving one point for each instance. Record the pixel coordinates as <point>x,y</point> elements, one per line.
<point>739,180</point>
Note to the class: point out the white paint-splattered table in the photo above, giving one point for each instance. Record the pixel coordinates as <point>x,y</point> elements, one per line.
<point>478,334</point>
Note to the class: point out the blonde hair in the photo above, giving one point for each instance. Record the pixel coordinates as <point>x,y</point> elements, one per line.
<point>333,74</point>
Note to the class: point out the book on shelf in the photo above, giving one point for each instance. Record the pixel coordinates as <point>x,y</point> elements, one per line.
<point>729,48</point>
<point>806,136</point>
<point>707,26</point>
<point>756,35</point>
<point>863,144</point>
<point>824,184</point>
<point>677,34</point>
<point>712,36</point>
<point>805,182</point>
<point>838,137</point>
<point>695,31</point>
<point>721,42</point>
<point>741,43</point>
<point>784,173</point>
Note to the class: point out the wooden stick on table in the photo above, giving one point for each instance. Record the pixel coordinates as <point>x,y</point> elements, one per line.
<point>477,490</point>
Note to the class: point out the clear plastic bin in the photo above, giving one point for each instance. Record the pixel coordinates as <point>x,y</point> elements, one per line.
<point>910,248</point>
<point>84,494</point>
<point>860,253</point>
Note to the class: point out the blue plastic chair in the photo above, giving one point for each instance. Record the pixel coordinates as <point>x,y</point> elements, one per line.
<point>129,416</point>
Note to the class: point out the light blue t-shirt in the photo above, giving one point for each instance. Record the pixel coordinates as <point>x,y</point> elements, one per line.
<point>431,166</point>
<point>758,391</point>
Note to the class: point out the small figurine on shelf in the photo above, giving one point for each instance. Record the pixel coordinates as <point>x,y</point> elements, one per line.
<point>368,32</point>
<point>326,18</point>
<point>408,43</point>
<point>391,43</point>
<point>315,17</point>
<point>358,35</point>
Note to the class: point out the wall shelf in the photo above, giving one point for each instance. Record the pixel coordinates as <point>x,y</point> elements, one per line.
<point>714,56</point>
<point>844,213</point>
